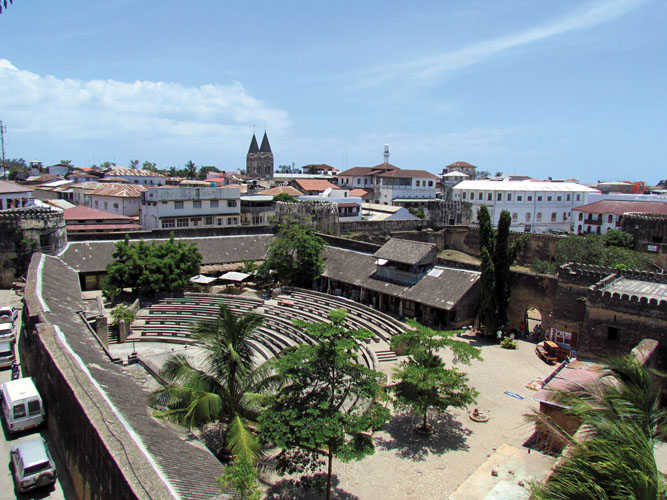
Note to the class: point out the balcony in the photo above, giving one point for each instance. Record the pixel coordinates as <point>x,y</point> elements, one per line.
<point>593,222</point>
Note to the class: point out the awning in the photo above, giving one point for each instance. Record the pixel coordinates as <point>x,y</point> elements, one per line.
<point>204,280</point>
<point>234,276</point>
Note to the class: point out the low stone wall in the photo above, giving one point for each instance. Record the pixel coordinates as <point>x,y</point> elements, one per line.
<point>178,233</point>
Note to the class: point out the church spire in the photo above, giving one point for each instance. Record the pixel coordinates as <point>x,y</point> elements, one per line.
<point>253,144</point>
<point>266,147</point>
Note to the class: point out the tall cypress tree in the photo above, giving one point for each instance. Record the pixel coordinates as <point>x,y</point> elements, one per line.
<point>502,259</point>
<point>486,233</point>
<point>488,304</point>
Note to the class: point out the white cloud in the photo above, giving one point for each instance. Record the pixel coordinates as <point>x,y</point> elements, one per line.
<point>427,69</point>
<point>107,109</point>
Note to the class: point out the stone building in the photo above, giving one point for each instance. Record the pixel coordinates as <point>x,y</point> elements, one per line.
<point>259,160</point>
<point>649,233</point>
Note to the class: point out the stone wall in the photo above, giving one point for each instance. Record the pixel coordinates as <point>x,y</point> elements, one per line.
<point>650,234</point>
<point>531,291</point>
<point>201,232</point>
<point>322,215</point>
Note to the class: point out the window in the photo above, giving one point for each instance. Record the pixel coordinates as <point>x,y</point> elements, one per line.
<point>564,215</point>
<point>509,196</point>
<point>256,219</point>
<point>610,219</point>
<point>553,216</point>
<point>499,197</point>
<point>209,221</point>
<point>528,217</point>
<point>168,223</point>
<point>213,203</point>
<point>472,195</point>
<point>231,203</point>
<point>515,216</point>
<point>178,205</point>
<point>430,183</point>
<point>163,203</point>
<point>358,181</point>
<point>34,407</point>
<point>463,195</point>
<point>539,198</point>
<point>19,411</point>
<point>195,222</point>
<point>569,197</point>
<point>581,216</point>
<point>480,196</point>
<point>115,205</point>
<point>417,184</point>
<point>578,197</point>
<point>181,222</point>
<point>519,198</point>
<point>613,333</point>
<point>365,181</point>
<point>232,221</point>
<point>529,198</point>
<point>549,198</point>
<point>489,196</point>
<point>538,218</point>
<point>219,221</point>
<point>559,198</point>
<point>106,205</point>
<point>96,204</point>
<point>196,204</point>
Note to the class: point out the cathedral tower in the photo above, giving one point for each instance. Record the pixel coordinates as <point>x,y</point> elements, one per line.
<point>259,161</point>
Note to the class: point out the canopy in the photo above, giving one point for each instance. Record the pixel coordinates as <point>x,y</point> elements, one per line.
<point>200,278</point>
<point>234,276</point>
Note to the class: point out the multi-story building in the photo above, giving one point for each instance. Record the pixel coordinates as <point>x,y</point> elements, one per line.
<point>601,216</point>
<point>120,199</point>
<point>462,167</point>
<point>535,206</point>
<point>86,220</point>
<point>257,210</point>
<point>181,207</point>
<point>137,176</point>
<point>14,196</point>
<point>259,160</point>
<point>313,187</point>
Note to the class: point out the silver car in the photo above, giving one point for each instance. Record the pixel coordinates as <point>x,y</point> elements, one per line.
<point>32,464</point>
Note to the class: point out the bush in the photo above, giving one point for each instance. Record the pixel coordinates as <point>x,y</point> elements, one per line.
<point>543,267</point>
<point>508,343</point>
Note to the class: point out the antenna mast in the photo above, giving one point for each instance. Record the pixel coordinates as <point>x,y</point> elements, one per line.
<point>3,129</point>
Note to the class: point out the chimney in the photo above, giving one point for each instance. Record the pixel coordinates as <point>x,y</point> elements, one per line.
<point>386,154</point>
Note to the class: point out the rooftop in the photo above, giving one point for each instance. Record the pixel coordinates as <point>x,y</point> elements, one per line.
<point>132,172</point>
<point>117,190</point>
<point>621,207</point>
<point>648,289</point>
<point>461,164</point>
<point>409,174</point>
<point>523,185</point>
<point>81,212</point>
<point>281,189</point>
<point>407,252</point>
<point>9,187</point>
<point>315,184</point>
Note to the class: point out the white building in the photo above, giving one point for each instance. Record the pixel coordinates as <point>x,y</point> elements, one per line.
<point>137,176</point>
<point>120,199</point>
<point>183,207</point>
<point>601,216</point>
<point>257,209</point>
<point>349,207</point>
<point>14,196</point>
<point>535,206</point>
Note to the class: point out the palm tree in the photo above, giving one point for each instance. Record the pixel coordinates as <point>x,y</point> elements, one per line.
<point>228,387</point>
<point>191,170</point>
<point>620,423</point>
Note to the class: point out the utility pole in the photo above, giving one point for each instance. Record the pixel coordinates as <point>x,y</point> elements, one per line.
<point>3,129</point>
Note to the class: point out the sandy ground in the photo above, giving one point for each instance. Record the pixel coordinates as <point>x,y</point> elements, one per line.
<point>406,465</point>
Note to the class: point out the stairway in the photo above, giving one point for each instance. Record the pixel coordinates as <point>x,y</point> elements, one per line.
<point>386,356</point>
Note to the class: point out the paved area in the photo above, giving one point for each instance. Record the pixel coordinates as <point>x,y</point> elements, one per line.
<point>63,488</point>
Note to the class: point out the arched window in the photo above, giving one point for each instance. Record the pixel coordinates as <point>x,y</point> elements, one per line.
<point>610,219</point>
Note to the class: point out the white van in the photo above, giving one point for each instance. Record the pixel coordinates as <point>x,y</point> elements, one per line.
<point>7,331</point>
<point>6,353</point>
<point>21,404</point>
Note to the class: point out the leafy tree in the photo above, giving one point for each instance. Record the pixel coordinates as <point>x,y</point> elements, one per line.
<point>171,171</point>
<point>5,4</point>
<point>241,476</point>
<point>228,387</point>
<point>424,384</point>
<point>190,170</point>
<point>296,254</point>
<point>502,260</point>
<point>287,198</point>
<point>249,266</point>
<point>616,238</point>
<point>203,171</point>
<point>122,313</point>
<point>614,459</point>
<point>328,404</point>
<point>486,233</point>
<point>543,267</point>
<point>418,212</point>
<point>483,174</point>
<point>67,163</point>
<point>150,166</point>
<point>153,268</point>
<point>488,305</point>
<point>134,163</point>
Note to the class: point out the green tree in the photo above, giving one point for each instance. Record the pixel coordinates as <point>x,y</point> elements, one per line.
<point>487,303</point>
<point>614,458</point>
<point>418,212</point>
<point>329,402</point>
<point>424,385</point>
<point>151,268</point>
<point>287,198</point>
<point>241,477</point>
<point>203,171</point>
<point>617,238</point>
<point>67,163</point>
<point>172,171</point>
<point>190,170</point>
<point>296,254</point>
<point>228,387</point>
<point>134,164</point>
<point>486,233</point>
<point>502,260</point>
<point>122,313</point>
<point>150,166</point>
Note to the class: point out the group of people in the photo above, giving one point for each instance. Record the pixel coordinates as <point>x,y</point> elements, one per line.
<point>537,331</point>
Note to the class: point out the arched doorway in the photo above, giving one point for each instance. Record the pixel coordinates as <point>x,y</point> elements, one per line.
<point>532,319</point>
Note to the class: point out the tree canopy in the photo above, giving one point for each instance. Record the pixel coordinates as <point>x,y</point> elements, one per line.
<point>424,385</point>
<point>329,401</point>
<point>151,268</point>
<point>296,254</point>
<point>287,198</point>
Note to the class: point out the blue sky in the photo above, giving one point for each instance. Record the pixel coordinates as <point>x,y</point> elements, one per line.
<point>543,88</point>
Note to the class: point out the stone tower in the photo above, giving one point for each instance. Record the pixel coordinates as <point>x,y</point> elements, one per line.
<point>259,161</point>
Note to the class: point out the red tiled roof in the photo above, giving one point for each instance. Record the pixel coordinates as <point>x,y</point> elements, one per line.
<point>281,189</point>
<point>315,184</point>
<point>81,212</point>
<point>320,166</point>
<point>385,166</point>
<point>359,192</point>
<point>108,227</point>
<point>355,171</point>
<point>7,187</point>
<point>118,190</point>
<point>347,205</point>
<point>461,164</point>
<point>623,207</point>
<point>409,173</point>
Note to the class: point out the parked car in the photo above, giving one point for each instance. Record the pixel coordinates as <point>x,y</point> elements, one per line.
<point>8,314</point>
<point>32,464</point>
<point>7,332</point>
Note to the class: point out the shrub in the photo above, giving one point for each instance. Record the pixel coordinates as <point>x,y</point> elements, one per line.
<point>508,343</point>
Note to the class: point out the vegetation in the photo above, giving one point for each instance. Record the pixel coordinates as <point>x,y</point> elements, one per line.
<point>497,256</point>
<point>190,170</point>
<point>241,477</point>
<point>612,250</point>
<point>122,313</point>
<point>418,212</point>
<point>227,388</point>
<point>151,268</point>
<point>287,198</point>
<point>508,343</point>
<point>424,384</point>
<point>295,255</point>
<point>328,404</point>
<point>203,172</point>
<point>621,422</point>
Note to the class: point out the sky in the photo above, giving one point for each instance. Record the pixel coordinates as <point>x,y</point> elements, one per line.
<point>567,89</point>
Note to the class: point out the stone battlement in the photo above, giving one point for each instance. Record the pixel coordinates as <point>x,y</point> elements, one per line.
<point>584,274</point>
<point>15,217</point>
<point>640,305</point>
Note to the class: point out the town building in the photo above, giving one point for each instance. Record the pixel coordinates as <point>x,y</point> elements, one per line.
<point>377,212</point>
<point>120,199</point>
<point>449,180</point>
<point>279,190</point>
<point>601,216</point>
<point>257,210</point>
<point>349,207</point>
<point>190,207</point>
<point>137,176</point>
<point>59,169</point>
<point>85,220</point>
<point>535,206</point>
<point>13,195</point>
<point>462,167</point>
<point>312,187</point>
<point>319,168</point>
<point>259,160</point>
<point>402,278</point>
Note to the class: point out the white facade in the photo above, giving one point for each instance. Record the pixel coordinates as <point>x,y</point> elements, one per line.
<point>189,207</point>
<point>535,206</point>
<point>121,205</point>
<point>135,176</point>
<point>391,183</point>
<point>14,196</point>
